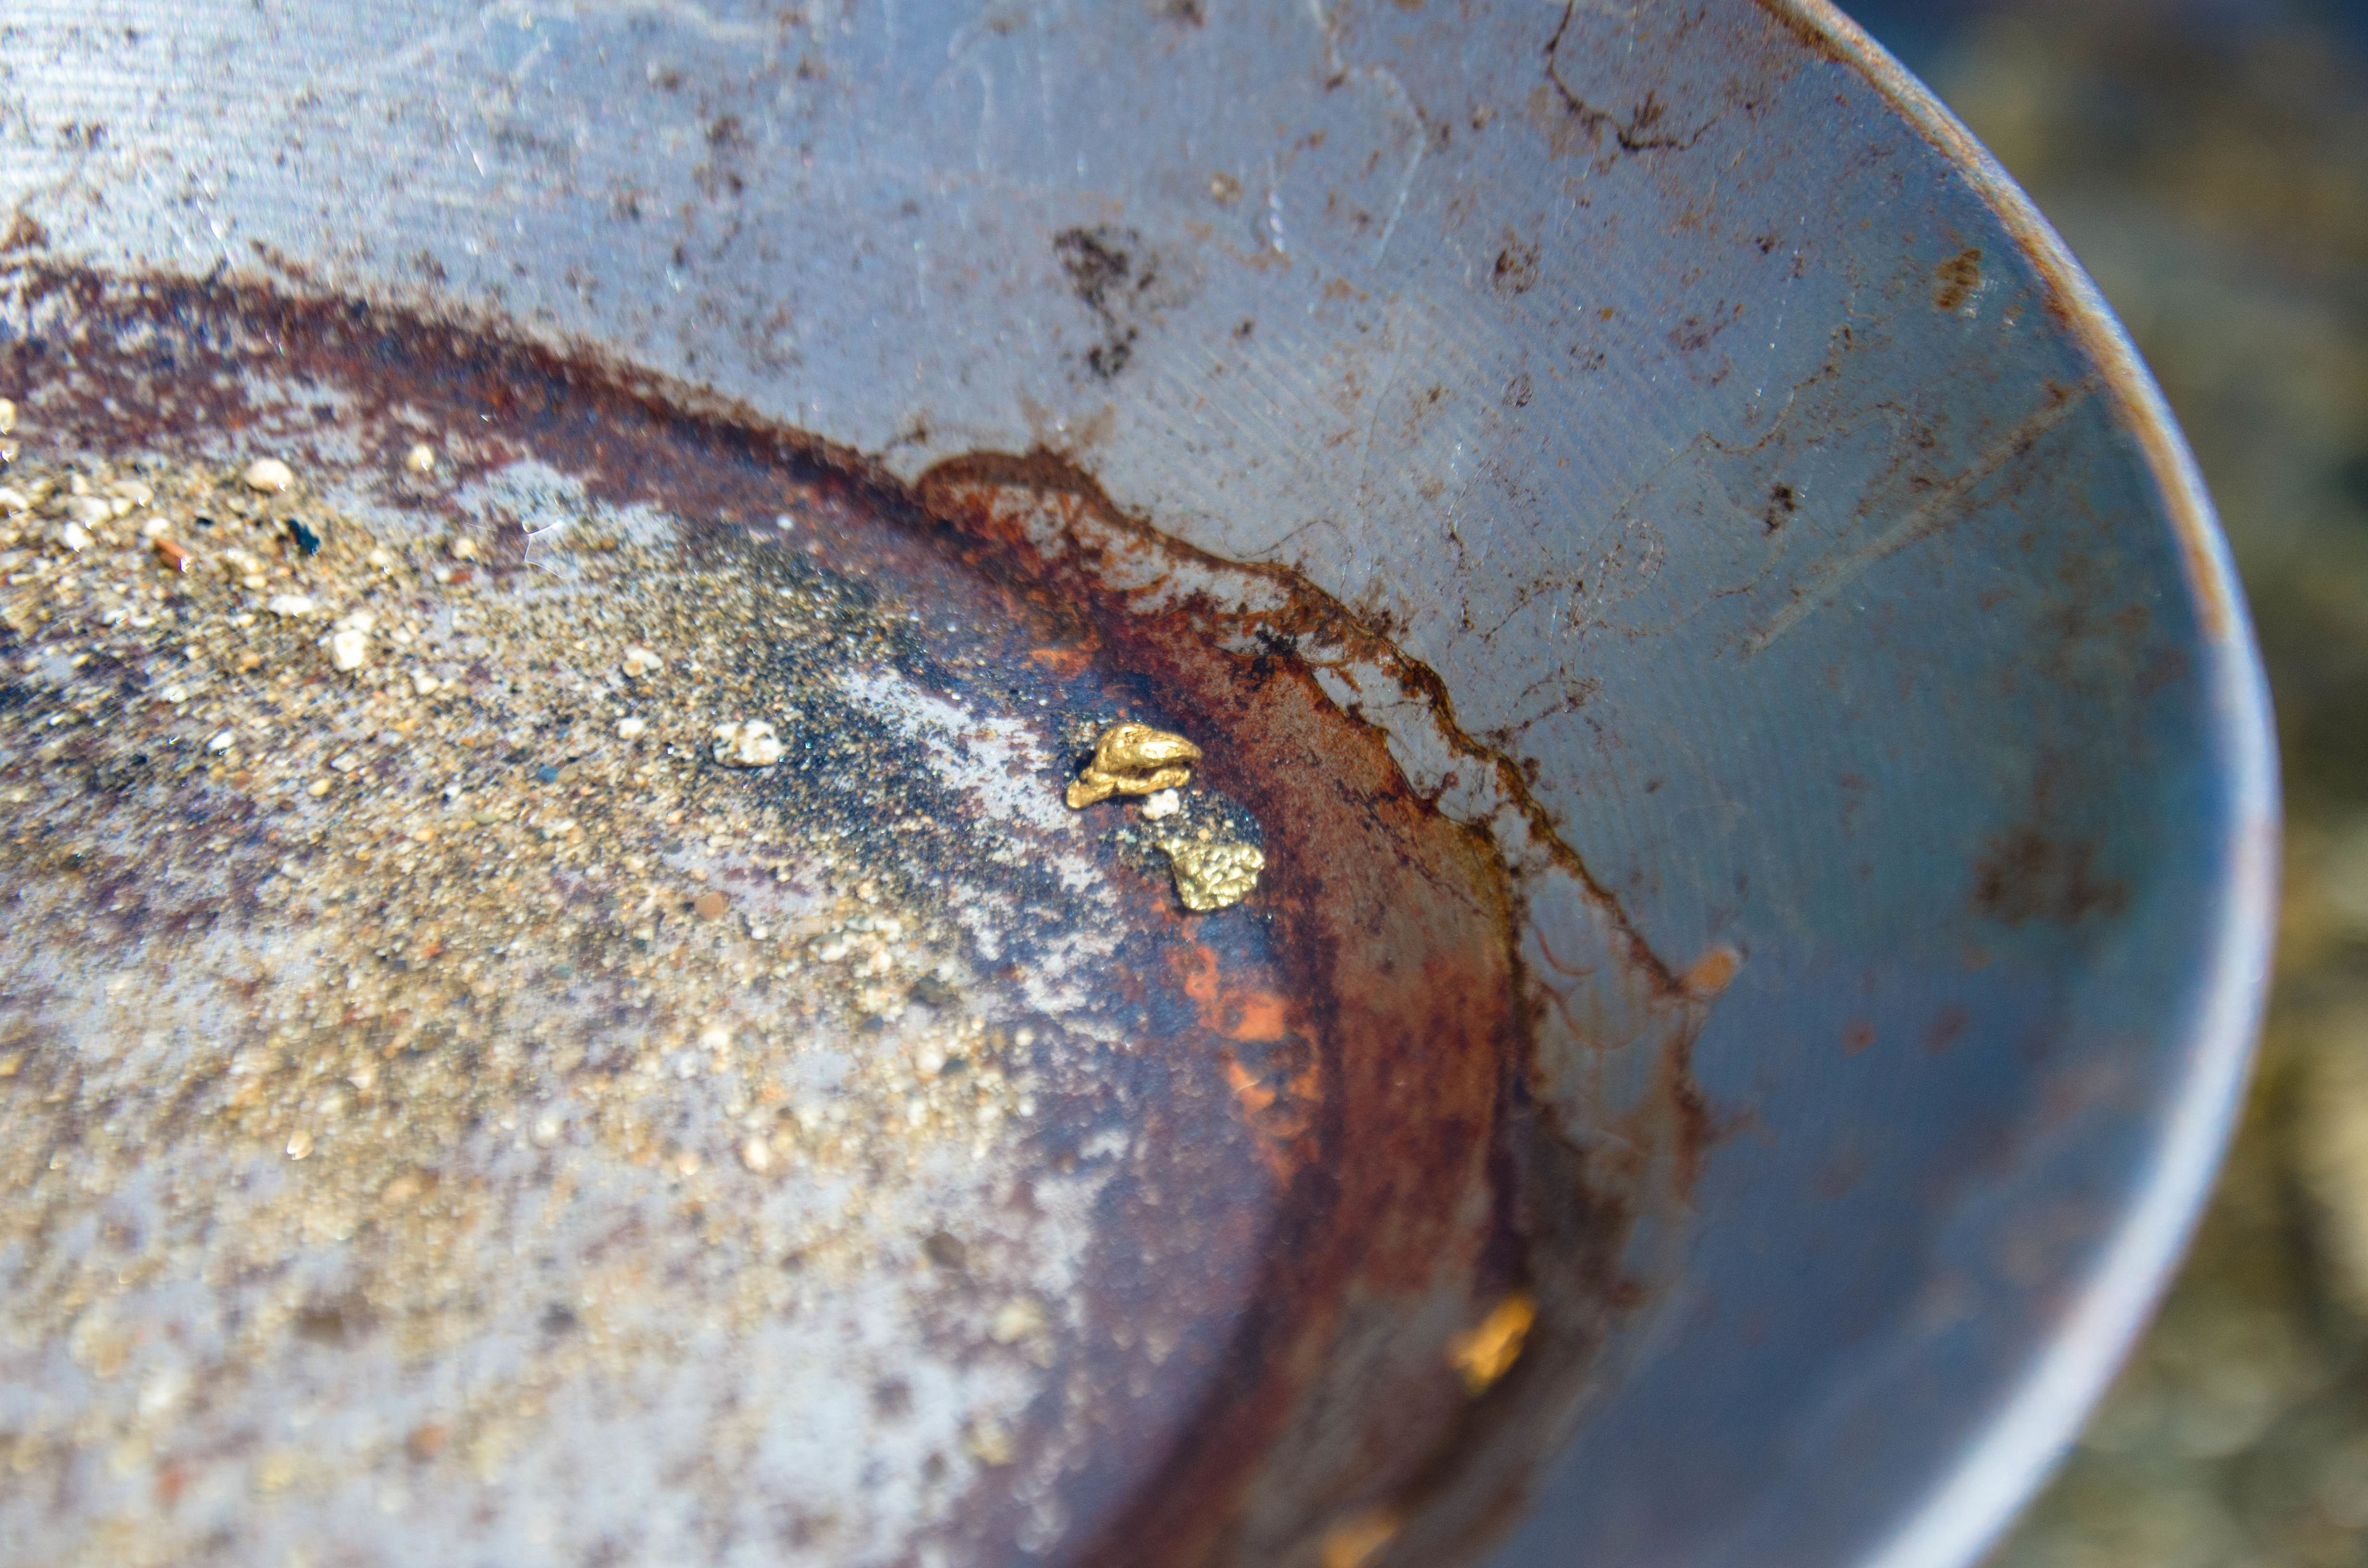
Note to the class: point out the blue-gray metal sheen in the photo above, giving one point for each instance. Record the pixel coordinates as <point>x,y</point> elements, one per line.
<point>1676,380</point>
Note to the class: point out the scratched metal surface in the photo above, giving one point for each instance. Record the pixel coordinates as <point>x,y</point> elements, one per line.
<point>1748,465</point>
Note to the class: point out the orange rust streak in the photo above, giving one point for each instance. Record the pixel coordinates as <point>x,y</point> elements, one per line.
<point>1256,1096</point>
<point>1281,1115</point>
<point>1251,1016</point>
<point>1259,1016</point>
<point>1065,664</point>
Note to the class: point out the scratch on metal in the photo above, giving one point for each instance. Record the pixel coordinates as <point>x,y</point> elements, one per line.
<point>1926,517</point>
<point>1414,164</point>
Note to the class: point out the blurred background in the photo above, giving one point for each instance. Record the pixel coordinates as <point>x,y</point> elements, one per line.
<point>2207,160</point>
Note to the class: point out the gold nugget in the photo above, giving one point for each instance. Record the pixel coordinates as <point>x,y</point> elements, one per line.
<point>1134,759</point>
<point>1354,1542</point>
<point>1212,876</point>
<point>1488,1352</point>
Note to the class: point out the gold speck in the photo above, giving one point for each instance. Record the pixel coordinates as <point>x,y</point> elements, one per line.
<point>1488,1352</point>
<point>1354,1542</point>
<point>1212,876</point>
<point>1134,759</point>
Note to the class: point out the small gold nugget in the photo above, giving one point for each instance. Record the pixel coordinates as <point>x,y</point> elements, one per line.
<point>1488,1352</point>
<point>1213,876</point>
<point>1134,759</point>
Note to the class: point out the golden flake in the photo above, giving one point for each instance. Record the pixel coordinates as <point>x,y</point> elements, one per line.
<point>1134,759</point>
<point>1213,876</point>
<point>1356,1541</point>
<point>1488,1352</point>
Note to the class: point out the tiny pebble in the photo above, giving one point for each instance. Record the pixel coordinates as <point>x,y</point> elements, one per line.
<point>1016,1321</point>
<point>631,728</point>
<point>173,556</point>
<point>175,695</point>
<point>547,774</point>
<point>345,762</point>
<point>89,510</point>
<point>639,662</point>
<point>72,537</point>
<point>750,744</point>
<point>758,1155</point>
<point>268,475</point>
<point>290,605</point>
<point>423,683</point>
<point>8,416</point>
<point>222,742</point>
<point>990,1443</point>
<point>14,501</point>
<point>318,788</point>
<point>156,527</point>
<point>421,458</point>
<point>710,905</point>
<point>348,647</point>
<point>300,1144</point>
<point>1162,803</point>
<point>546,1130</point>
<point>464,548</point>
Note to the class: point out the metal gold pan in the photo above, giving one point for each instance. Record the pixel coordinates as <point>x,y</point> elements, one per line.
<point>582,1027</point>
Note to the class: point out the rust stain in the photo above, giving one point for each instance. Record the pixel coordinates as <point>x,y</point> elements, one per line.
<point>1236,1012</point>
<point>2028,875</point>
<point>1957,280</point>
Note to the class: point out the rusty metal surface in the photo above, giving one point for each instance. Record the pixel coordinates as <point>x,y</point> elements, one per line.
<point>1735,593</point>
